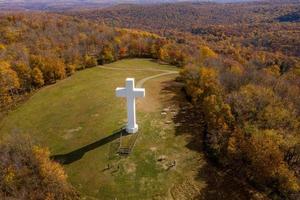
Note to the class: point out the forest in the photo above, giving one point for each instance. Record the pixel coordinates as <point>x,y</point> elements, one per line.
<point>254,24</point>
<point>240,68</point>
<point>244,81</point>
<point>39,49</point>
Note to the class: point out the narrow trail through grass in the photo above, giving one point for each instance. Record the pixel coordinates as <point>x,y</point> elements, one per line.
<point>141,82</point>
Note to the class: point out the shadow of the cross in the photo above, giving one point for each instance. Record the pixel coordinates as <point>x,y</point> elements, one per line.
<point>77,154</point>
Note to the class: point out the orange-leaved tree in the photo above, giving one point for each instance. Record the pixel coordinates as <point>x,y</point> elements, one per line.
<point>26,172</point>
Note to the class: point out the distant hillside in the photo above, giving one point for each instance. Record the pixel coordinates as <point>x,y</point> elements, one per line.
<point>185,16</point>
<point>264,25</point>
<point>290,17</point>
<point>74,4</point>
<point>52,5</point>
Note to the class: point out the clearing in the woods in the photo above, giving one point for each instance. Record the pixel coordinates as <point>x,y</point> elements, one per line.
<point>79,119</point>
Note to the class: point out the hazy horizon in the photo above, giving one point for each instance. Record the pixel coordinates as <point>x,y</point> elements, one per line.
<point>56,5</point>
<point>114,1</point>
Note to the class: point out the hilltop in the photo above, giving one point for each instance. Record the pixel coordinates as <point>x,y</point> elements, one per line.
<point>220,120</point>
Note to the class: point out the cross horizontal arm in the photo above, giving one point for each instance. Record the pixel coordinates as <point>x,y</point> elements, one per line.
<point>139,92</point>
<point>121,92</point>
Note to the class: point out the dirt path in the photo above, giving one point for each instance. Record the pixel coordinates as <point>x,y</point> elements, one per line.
<point>141,82</point>
<point>139,69</point>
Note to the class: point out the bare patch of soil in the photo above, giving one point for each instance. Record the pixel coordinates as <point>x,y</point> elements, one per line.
<point>69,133</point>
<point>152,101</point>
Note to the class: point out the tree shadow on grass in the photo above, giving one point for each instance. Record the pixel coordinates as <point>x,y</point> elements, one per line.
<point>219,182</point>
<point>77,154</point>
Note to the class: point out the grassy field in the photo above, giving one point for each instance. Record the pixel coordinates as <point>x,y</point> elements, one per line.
<point>81,110</point>
<point>79,118</point>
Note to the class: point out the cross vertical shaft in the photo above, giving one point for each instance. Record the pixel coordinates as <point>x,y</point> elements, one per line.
<point>131,112</point>
<point>130,92</point>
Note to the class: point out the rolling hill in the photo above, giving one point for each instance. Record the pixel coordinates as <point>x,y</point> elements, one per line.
<point>80,4</point>
<point>223,124</point>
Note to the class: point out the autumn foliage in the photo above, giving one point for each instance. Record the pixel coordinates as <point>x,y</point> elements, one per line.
<point>251,129</point>
<point>40,49</point>
<point>241,72</point>
<point>26,172</point>
<point>9,82</point>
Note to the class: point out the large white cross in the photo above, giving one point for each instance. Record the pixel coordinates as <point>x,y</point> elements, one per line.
<point>130,92</point>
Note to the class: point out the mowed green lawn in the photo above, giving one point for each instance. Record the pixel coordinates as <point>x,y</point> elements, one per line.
<point>83,109</point>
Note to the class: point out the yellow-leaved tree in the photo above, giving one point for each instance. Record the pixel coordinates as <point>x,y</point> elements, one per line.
<point>37,77</point>
<point>206,53</point>
<point>9,82</point>
<point>203,86</point>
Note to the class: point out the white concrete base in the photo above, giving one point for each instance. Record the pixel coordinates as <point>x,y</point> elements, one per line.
<point>132,129</point>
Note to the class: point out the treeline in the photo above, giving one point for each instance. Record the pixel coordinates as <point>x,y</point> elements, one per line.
<point>235,30</point>
<point>39,49</point>
<point>252,121</point>
<point>184,16</point>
